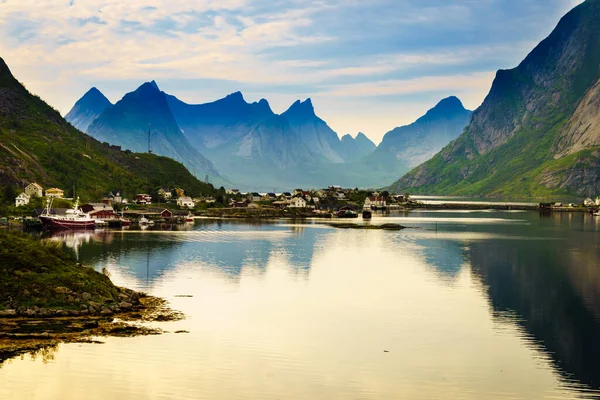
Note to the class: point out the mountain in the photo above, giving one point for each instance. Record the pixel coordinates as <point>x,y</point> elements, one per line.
<point>537,131</point>
<point>255,149</point>
<point>316,135</point>
<point>37,144</point>
<point>353,149</point>
<point>87,109</point>
<point>214,124</point>
<point>127,123</point>
<point>418,142</point>
<point>407,146</point>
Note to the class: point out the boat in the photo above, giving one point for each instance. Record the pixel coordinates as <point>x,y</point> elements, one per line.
<point>190,217</point>
<point>100,222</point>
<point>367,214</point>
<point>145,221</point>
<point>347,214</point>
<point>73,219</point>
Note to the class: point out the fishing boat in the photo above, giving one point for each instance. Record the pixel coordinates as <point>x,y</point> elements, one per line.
<point>190,217</point>
<point>145,221</point>
<point>73,219</point>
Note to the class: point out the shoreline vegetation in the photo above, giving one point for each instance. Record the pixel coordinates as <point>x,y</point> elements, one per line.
<point>48,298</point>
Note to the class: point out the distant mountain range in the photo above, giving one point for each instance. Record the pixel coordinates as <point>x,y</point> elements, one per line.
<point>253,148</point>
<point>538,131</point>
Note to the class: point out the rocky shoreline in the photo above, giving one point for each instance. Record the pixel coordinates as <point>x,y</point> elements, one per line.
<point>48,298</point>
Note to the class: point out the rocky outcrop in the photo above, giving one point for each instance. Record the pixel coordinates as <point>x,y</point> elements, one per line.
<point>583,129</point>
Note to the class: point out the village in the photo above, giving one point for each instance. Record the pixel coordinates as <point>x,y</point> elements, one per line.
<point>173,205</point>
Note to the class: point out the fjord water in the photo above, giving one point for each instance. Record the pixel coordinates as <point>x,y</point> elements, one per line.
<point>465,305</point>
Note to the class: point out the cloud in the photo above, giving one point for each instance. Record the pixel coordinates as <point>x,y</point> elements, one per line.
<point>354,53</point>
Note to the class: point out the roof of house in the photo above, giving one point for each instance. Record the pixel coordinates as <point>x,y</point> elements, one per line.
<point>23,195</point>
<point>185,198</point>
<point>34,185</point>
<point>54,190</point>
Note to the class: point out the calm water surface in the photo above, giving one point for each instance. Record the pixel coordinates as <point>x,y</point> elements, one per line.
<point>467,305</point>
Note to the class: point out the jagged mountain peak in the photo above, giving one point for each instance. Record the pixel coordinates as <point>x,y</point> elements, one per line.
<point>148,88</point>
<point>301,108</point>
<point>235,97</point>
<point>87,109</point>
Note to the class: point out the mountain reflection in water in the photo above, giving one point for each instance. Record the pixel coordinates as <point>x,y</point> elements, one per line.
<point>485,305</point>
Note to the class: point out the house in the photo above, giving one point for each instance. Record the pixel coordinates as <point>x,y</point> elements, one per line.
<point>99,210</point>
<point>143,198</point>
<point>210,200</point>
<point>297,202</point>
<point>33,190</point>
<point>180,192</point>
<point>164,213</point>
<point>254,196</point>
<point>285,196</point>
<point>269,197</point>
<point>589,202</point>
<point>185,201</point>
<point>22,200</point>
<point>113,198</point>
<point>233,191</point>
<point>297,192</point>
<point>281,204</point>
<point>238,204</point>
<point>164,193</point>
<point>375,201</point>
<point>55,193</point>
<point>341,195</point>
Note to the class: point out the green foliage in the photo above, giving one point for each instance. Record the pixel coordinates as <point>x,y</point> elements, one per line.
<point>40,273</point>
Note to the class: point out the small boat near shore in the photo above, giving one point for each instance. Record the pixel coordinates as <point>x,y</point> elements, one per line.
<point>190,217</point>
<point>73,219</point>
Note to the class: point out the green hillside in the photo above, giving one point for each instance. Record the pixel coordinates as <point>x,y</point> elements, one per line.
<point>538,131</point>
<point>37,144</point>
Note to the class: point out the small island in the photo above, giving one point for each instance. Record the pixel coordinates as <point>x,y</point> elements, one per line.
<point>47,297</point>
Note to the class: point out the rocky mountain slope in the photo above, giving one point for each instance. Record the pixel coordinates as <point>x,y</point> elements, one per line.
<point>536,132</point>
<point>128,122</point>
<point>87,109</point>
<point>354,149</point>
<point>37,144</point>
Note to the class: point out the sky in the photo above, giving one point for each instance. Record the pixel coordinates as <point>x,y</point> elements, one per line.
<point>367,65</point>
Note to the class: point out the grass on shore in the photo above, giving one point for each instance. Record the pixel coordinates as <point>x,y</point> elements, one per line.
<point>40,274</point>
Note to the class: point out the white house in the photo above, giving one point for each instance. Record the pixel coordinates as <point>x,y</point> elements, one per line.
<point>589,202</point>
<point>185,201</point>
<point>33,190</point>
<point>297,202</point>
<point>374,201</point>
<point>22,200</point>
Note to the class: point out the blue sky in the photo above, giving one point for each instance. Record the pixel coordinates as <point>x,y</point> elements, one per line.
<point>368,65</point>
